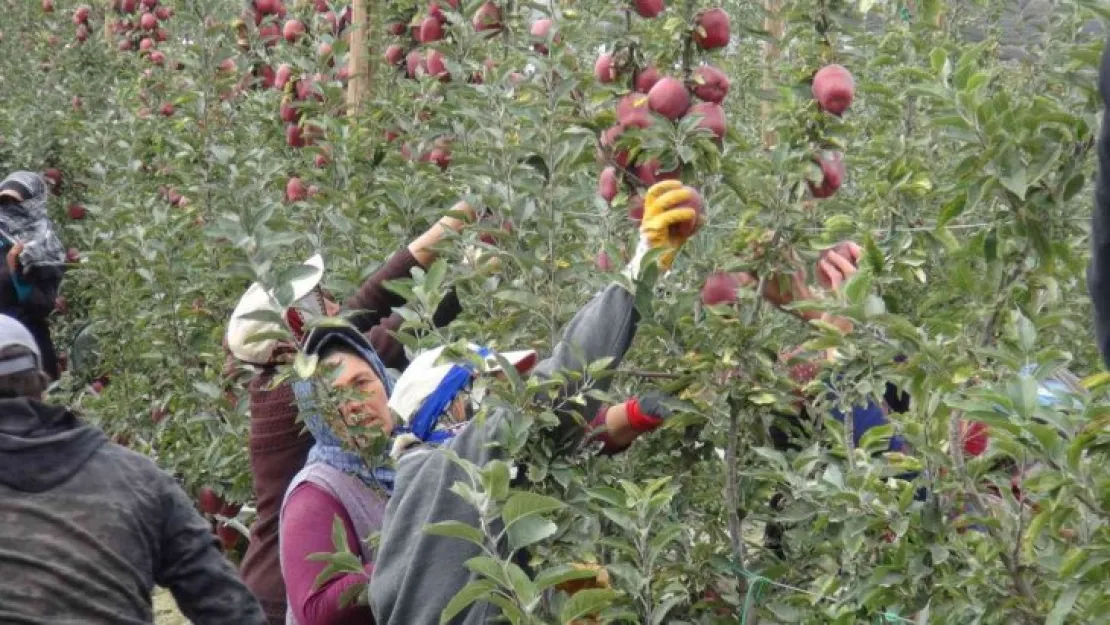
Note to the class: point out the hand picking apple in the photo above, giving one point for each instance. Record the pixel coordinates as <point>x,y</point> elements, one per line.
<point>672,214</point>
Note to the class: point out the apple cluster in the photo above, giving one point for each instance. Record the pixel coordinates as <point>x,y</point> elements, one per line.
<point>413,52</point>
<point>833,90</point>
<point>139,26</point>
<point>654,96</point>
<point>212,505</point>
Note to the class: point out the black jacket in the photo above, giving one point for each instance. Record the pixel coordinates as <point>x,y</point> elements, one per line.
<point>88,528</point>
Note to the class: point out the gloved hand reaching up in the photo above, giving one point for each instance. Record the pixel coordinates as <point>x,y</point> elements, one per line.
<point>617,426</point>
<point>671,217</point>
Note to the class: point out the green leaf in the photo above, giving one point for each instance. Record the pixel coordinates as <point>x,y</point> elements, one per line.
<point>495,478</point>
<point>489,568</point>
<point>529,530</point>
<point>562,573</point>
<point>523,504</point>
<point>586,602</point>
<point>476,590</point>
<point>456,529</point>
<point>1064,604</point>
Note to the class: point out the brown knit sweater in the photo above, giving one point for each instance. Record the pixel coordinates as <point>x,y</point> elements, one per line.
<point>278,442</point>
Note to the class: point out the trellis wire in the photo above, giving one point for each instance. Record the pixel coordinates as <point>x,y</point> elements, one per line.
<point>757,583</point>
<point>817,230</point>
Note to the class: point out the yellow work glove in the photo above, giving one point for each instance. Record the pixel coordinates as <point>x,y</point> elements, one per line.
<point>665,224</point>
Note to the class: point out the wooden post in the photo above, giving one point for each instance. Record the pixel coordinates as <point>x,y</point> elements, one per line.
<point>771,55</point>
<point>358,65</point>
<point>109,18</point>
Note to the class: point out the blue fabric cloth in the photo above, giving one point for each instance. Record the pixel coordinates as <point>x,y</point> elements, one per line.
<point>329,449</point>
<point>22,289</point>
<point>426,419</point>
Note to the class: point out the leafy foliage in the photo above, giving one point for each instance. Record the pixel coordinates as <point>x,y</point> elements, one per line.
<point>968,152</point>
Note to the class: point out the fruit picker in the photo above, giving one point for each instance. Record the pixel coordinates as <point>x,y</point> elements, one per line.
<point>36,260</point>
<point>417,574</point>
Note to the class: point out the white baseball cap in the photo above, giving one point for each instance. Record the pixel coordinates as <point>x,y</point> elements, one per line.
<point>425,373</point>
<point>15,334</point>
<point>240,329</point>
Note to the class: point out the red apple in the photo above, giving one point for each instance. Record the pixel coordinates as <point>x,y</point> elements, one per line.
<point>669,98</point>
<point>295,190</point>
<point>688,228</point>
<point>602,261</point>
<point>229,536</point>
<point>161,35</point>
<point>292,30</point>
<point>47,6</point>
<point>607,184</point>
<point>431,30</point>
<point>636,208</point>
<point>394,54</point>
<point>208,501</point>
<point>267,75</point>
<point>487,17</point>
<point>226,66</point>
<point>720,288</point>
<point>158,57</point>
<point>648,8</point>
<point>76,211</point>
<point>832,172</point>
<point>647,172</point>
<point>81,15</point>
<point>712,117</point>
<point>128,6</point>
<point>604,69</point>
<point>834,87</point>
<point>633,107</point>
<point>646,79</point>
<point>434,10</point>
<point>976,437</point>
<point>148,21</point>
<point>324,50</point>
<point>394,28</point>
<point>53,178</point>
<point>294,136</point>
<point>711,29</point>
<point>82,33</point>
<point>321,160</point>
<point>609,139</point>
<point>710,84</point>
<point>230,510</point>
<point>149,4</point>
<point>441,156</point>
<point>435,66</point>
<point>415,63</point>
<point>265,7</point>
<point>270,33</point>
<point>163,13</point>
<point>146,44</point>
<point>541,30</point>
<point>284,73</point>
<point>167,109</point>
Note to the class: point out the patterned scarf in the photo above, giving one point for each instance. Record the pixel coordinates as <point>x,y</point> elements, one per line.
<point>28,222</point>
<point>329,449</point>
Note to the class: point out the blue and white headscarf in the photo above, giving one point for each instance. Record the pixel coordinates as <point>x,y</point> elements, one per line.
<point>329,449</point>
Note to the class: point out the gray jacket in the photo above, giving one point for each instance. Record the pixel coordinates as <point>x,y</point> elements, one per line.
<point>87,528</point>
<point>415,574</point>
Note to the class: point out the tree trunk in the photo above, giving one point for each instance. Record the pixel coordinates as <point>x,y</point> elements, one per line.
<point>359,67</point>
<point>771,55</point>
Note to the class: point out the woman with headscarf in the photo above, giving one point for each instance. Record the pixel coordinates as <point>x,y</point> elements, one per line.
<point>35,260</point>
<point>336,482</point>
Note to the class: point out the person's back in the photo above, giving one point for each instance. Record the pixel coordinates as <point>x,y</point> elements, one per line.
<point>88,528</point>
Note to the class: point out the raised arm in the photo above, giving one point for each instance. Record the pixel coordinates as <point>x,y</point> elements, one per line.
<point>1098,272</point>
<point>373,302</point>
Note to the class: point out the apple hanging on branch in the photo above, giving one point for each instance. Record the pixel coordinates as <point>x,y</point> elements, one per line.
<point>833,88</point>
<point>832,174</point>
